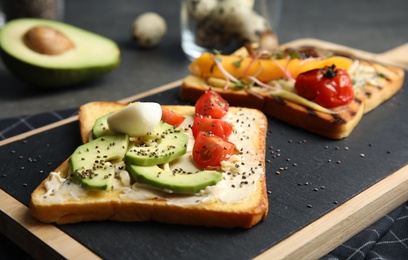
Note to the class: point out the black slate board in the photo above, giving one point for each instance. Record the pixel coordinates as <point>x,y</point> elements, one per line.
<point>307,176</point>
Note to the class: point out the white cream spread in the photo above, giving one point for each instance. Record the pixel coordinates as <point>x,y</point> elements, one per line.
<point>59,188</point>
<point>240,172</point>
<point>363,75</point>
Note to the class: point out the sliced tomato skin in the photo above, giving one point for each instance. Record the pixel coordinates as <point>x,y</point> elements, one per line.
<point>211,104</point>
<point>210,150</point>
<point>218,127</point>
<point>328,91</point>
<point>171,117</point>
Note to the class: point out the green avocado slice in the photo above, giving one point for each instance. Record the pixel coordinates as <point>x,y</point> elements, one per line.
<point>101,127</point>
<point>90,164</point>
<point>177,182</point>
<point>92,55</point>
<point>165,144</point>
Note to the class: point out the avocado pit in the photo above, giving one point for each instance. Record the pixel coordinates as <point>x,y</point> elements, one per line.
<point>47,40</point>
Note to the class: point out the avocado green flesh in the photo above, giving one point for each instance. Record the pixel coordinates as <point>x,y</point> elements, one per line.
<point>92,56</point>
<point>166,144</point>
<point>182,183</point>
<point>101,127</point>
<point>167,141</point>
<point>102,182</point>
<point>90,163</point>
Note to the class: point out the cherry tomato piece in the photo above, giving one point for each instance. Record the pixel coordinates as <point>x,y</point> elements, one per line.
<point>172,118</point>
<point>328,87</point>
<point>211,104</point>
<point>214,126</point>
<point>210,150</point>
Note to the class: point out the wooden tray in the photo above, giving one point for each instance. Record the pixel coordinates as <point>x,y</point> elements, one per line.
<point>328,191</point>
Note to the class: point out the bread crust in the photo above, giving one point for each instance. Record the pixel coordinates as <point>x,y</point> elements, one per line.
<point>108,205</point>
<point>332,125</point>
<point>89,112</point>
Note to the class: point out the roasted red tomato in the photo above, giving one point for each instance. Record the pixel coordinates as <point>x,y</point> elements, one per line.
<point>328,87</point>
<point>209,150</point>
<point>171,117</point>
<point>211,104</point>
<point>214,126</point>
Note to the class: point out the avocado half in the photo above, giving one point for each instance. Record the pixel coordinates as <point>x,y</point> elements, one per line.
<point>91,56</point>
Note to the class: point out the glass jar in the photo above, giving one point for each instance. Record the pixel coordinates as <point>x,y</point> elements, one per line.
<point>225,25</point>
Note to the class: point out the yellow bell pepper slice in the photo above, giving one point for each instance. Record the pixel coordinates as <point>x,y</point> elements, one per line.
<point>265,70</point>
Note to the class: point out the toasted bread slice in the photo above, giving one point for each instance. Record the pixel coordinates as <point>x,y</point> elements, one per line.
<point>336,124</point>
<point>123,204</point>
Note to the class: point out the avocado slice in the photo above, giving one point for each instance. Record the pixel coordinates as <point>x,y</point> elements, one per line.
<point>101,127</point>
<point>84,55</point>
<point>165,144</point>
<point>174,181</point>
<point>90,164</point>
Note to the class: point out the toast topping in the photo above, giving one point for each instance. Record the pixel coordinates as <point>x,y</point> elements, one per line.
<point>329,87</point>
<point>101,127</point>
<point>242,67</point>
<point>235,73</point>
<point>163,145</point>
<point>174,181</point>
<point>363,76</point>
<point>137,119</point>
<point>239,173</point>
<point>57,188</point>
<point>90,164</point>
<point>170,163</point>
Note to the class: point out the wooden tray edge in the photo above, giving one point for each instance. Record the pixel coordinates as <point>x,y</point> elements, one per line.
<point>330,230</point>
<point>39,240</point>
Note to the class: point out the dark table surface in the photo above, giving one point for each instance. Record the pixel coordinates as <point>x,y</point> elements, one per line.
<point>370,25</point>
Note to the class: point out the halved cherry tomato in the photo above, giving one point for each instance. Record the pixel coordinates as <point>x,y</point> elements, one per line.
<point>214,126</point>
<point>328,87</point>
<point>211,104</point>
<point>171,117</point>
<point>209,150</point>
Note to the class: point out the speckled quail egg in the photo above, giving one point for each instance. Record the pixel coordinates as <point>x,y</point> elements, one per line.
<point>255,25</point>
<point>148,29</point>
<point>200,9</point>
<point>250,3</point>
<point>230,15</point>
